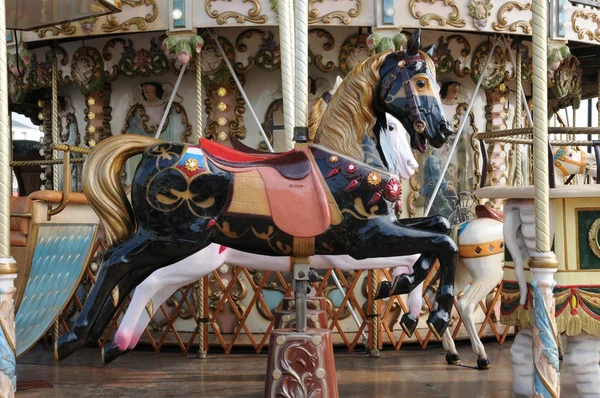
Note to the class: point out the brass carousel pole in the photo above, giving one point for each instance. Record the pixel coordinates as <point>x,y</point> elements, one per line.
<point>56,167</point>
<point>202,352</point>
<point>543,262</point>
<point>8,266</point>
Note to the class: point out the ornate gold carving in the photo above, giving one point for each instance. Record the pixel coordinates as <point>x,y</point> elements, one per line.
<point>502,25</point>
<point>65,29</point>
<point>317,60</point>
<point>582,31</point>
<point>235,111</point>
<point>344,17</point>
<point>593,237</point>
<point>253,15</point>
<point>115,296</point>
<point>415,188</point>
<point>453,19</point>
<point>112,21</point>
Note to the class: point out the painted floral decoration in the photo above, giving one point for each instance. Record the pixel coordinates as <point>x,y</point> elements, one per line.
<point>87,25</point>
<point>392,190</point>
<point>374,178</point>
<point>556,56</point>
<point>183,48</point>
<point>479,10</point>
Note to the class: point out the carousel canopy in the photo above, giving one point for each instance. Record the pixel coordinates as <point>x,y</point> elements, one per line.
<point>35,14</point>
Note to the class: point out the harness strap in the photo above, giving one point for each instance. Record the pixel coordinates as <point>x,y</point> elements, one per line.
<point>326,97</point>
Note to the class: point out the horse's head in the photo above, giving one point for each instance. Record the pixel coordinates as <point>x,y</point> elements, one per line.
<point>409,91</point>
<point>396,150</point>
<point>569,160</point>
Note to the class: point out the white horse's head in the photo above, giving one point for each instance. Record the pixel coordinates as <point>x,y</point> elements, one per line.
<point>569,160</point>
<point>396,148</point>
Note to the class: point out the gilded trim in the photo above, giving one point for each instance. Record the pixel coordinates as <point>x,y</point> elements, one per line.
<point>502,25</point>
<point>112,21</point>
<point>482,249</point>
<point>253,15</point>
<point>65,29</point>
<point>344,17</point>
<point>453,18</point>
<point>582,31</point>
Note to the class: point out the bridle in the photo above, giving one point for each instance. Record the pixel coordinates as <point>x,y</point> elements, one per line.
<point>414,103</point>
<point>559,158</point>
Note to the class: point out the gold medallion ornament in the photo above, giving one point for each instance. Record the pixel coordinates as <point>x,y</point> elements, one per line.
<point>92,129</point>
<point>91,101</point>
<point>41,116</point>
<point>91,143</point>
<point>333,159</point>
<point>221,92</point>
<point>374,178</point>
<point>222,106</point>
<point>222,136</point>
<point>593,237</point>
<point>191,165</point>
<point>91,115</point>
<point>41,103</point>
<point>222,121</point>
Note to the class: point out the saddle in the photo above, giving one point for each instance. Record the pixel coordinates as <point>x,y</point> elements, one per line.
<point>293,165</point>
<point>290,182</point>
<point>487,212</point>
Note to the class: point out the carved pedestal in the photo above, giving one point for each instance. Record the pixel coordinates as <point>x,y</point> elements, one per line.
<point>315,319</point>
<point>301,364</point>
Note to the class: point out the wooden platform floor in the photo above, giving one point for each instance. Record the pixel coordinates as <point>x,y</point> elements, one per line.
<point>410,373</point>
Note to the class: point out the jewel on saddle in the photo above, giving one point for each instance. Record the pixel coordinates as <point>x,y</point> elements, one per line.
<point>193,162</point>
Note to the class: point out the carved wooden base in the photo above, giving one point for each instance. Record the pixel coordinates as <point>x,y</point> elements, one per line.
<point>301,364</point>
<point>315,319</point>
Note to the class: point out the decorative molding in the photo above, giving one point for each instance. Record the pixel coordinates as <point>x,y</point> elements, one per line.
<point>214,69</point>
<point>87,68</point>
<point>582,32</point>
<point>444,61</point>
<point>134,62</point>
<point>344,17</point>
<point>266,58</point>
<point>112,23</point>
<point>453,19</point>
<point>479,10</point>
<point>502,25</point>
<point>65,29</point>
<point>98,114</point>
<point>498,61</point>
<point>317,60</point>
<point>225,108</point>
<point>415,188</point>
<point>253,14</point>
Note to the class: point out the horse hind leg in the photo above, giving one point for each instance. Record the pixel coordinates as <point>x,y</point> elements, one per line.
<point>135,258</point>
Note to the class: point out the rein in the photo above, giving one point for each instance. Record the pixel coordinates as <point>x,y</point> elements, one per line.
<point>413,100</point>
<point>560,158</point>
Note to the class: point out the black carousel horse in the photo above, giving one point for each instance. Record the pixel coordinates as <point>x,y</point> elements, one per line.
<point>321,199</point>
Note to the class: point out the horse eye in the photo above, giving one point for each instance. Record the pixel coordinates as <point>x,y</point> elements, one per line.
<point>391,127</point>
<point>421,83</point>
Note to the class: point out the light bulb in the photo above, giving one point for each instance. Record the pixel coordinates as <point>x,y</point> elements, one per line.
<point>177,14</point>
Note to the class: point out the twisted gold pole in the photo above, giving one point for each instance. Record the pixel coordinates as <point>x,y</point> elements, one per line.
<point>374,318</point>
<point>518,177</point>
<point>202,353</point>
<point>286,29</point>
<point>543,262</point>
<point>55,168</point>
<point>8,267</point>
<point>301,75</point>
<point>199,112</point>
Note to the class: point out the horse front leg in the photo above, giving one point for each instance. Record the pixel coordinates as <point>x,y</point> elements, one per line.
<point>381,237</point>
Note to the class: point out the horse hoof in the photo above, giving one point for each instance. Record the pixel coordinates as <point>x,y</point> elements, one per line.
<point>483,363</point>
<point>383,290</point>
<point>374,353</point>
<point>66,345</point>
<point>111,351</point>
<point>438,322</point>
<point>452,358</point>
<point>409,323</point>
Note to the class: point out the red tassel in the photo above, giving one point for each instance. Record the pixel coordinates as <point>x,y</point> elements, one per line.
<point>222,249</point>
<point>399,206</point>
<point>375,198</point>
<point>211,223</point>
<point>353,184</point>
<point>333,172</point>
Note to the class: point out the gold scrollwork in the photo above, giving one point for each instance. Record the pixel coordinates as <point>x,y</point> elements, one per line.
<point>415,188</point>
<point>112,22</point>
<point>65,29</point>
<point>593,237</point>
<point>453,19</point>
<point>327,46</point>
<point>253,14</point>
<point>502,25</point>
<point>582,31</point>
<point>344,17</point>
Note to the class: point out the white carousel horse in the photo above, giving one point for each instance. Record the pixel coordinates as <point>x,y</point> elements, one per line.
<point>581,352</point>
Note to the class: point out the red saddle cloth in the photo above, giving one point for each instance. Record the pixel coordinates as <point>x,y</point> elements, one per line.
<point>297,197</point>
<point>487,212</point>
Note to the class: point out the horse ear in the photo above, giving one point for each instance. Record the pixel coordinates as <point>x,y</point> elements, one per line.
<point>430,50</point>
<point>414,43</point>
